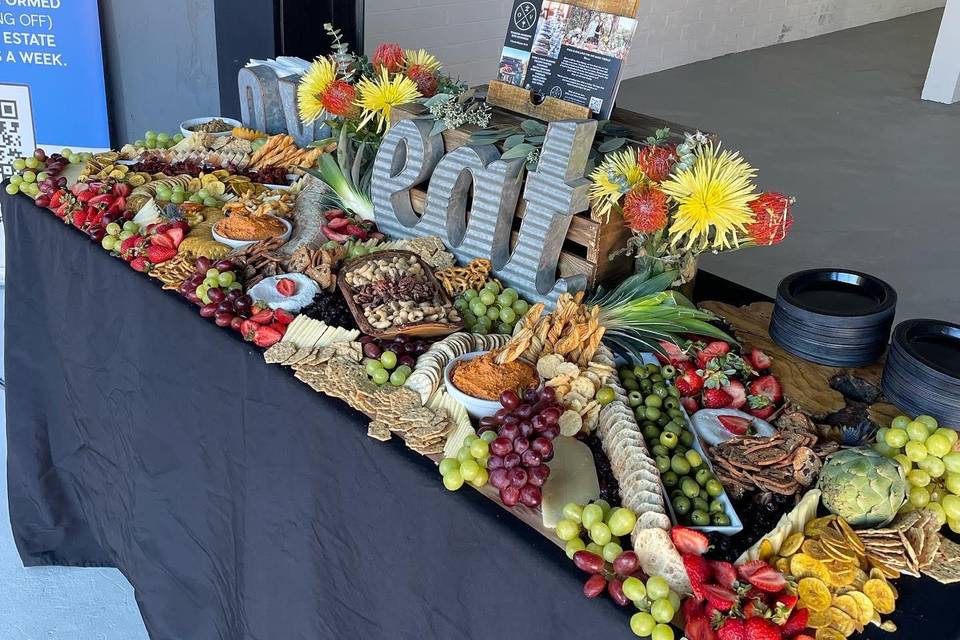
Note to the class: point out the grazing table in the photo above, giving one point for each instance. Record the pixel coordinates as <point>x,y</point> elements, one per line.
<point>242,505</point>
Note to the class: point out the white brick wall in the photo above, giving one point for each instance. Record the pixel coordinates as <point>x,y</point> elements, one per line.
<point>467,34</point>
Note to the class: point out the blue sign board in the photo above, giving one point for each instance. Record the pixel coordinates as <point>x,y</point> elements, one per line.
<point>52,91</point>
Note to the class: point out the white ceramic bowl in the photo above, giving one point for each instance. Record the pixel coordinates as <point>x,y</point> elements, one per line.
<point>476,408</point>
<point>239,244</point>
<point>187,131</point>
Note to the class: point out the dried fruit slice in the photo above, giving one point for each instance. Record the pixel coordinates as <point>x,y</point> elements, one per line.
<point>866,607</point>
<point>803,566</point>
<point>881,595</point>
<point>792,544</point>
<point>827,633</point>
<point>814,594</point>
<point>849,606</point>
<point>815,527</point>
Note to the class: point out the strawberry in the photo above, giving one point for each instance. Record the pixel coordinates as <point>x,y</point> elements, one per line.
<point>262,316</point>
<point>334,213</point>
<point>690,405</point>
<point>803,636</point>
<point>724,573</point>
<point>754,608</point>
<point>672,353</point>
<point>279,327</point>
<point>737,393</point>
<point>356,231</point>
<point>767,579</point>
<point>176,235</point>
<point>283,316</point>
<point>760,407</point>
<point>768,387</point>
<point>689,383</point>
<point>139,264</point>
<point>162,240</point>
<point>266,336</point>
<point>79,218</point>
<point>121,189</point>
<point>156,254</point>
<point>713,350</point>
<point>787,600</point>
<point>796,623</point>
<point>248,328</point>
<point>127,246</point>
<point>56,198</point>
<point>762,629</point>
<point>750,567</point>
<point>86,195</point>
<point>286,287</point>
<point>732,629</point>
<point>720,598</point>
<point>716,399</point>
<point>759,360</point>
<point>698,571</point>
<point>699,628</point>
<point>735,424</point>
<point>691,608</point>
<point>689,541</point>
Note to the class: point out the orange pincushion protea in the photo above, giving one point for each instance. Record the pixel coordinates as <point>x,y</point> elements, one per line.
<point>339,98</point>
<point>425,79</point>
<point>657,162</point>
<point>390,56</point>
<point>645,209</point>
<point>772,218</point>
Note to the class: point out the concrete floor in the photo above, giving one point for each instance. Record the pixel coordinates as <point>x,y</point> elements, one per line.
<point>838,122</point>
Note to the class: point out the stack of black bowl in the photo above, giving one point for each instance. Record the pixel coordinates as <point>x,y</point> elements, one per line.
<point>834,317</point>
<point>922,374</point>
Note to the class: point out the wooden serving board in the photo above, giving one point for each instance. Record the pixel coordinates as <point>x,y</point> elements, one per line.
<point>830,395</point>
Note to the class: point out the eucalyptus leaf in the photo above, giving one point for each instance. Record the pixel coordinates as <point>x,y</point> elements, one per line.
<point>537,140</point>
<point>438,127</point>
<point>519,151</point>
<point>612,145</point>
<point>513,141</point>
<point>533,126</point>
<point>438,99</point>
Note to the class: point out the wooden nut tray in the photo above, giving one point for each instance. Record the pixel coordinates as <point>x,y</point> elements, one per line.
<point>418,329</point>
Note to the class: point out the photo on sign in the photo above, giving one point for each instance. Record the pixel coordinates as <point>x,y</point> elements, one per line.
<point>598,32</point>
<point>17,137</point>
<point>513,66</point>
<point>551,29</point>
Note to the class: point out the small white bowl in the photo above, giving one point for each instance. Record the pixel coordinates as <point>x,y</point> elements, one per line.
<point>187,131</point>
<point>476,408</point>
<point>239,244</point>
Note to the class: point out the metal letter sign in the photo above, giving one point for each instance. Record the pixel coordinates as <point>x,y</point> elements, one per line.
<point>554,192</point>
<point>269,104</point>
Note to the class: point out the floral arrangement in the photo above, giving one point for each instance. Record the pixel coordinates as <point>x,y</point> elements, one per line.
<point>682,200</point>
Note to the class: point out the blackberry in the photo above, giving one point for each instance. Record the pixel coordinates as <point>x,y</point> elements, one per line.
<point>331,308</point>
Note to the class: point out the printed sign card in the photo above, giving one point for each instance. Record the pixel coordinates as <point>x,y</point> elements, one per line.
<point>567,52</point>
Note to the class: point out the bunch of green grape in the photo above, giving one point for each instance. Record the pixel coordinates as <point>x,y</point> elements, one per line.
<point>470,465</point>
<point>602,525</point>
<point>657,605</point>
<point>179,195</point>
<point>926,451</point>
<point>154,140</point>
<point>117,233</point>
<point>384,370</point>
<point>491,309</point>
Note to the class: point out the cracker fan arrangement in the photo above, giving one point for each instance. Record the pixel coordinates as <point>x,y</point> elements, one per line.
<point>621,421</point>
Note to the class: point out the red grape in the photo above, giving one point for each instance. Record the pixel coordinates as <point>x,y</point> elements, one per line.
<point>520,445</point>
<point>530,458</point>
<point>501,414</point>
<point>208,310</point>
<point>372,350</point>
<point>531,496</point>
<point>487,422</point>
<point>499,478</point>
<point>510,431</point>
<point>538,475</point>
<point>594,586</point>
<point>543,446</point>
<point>551,432</point>
<point>216,294</point>
<point>42,201</point>
<point>530,395</point>
<point>511,460</point>
<point>494,462</point>
<point>626,563</point>
<point>501,446</point>
<point>526,429</point>
<point>548,393</point>
<point>509,399</point>
<point>223,318</point>
<point>236,322</point>
<point>232,296</point>
<point>510,420</point>
<point>523,411</point>
<point>589,562</point>
<point>224,265</point>
<point>550,415</point>
<point>518,476</point>
<point>408,360</point>
<point>203,264</point>
<point>242,303</point>
<point>615,589</point>
<point>510,496</point>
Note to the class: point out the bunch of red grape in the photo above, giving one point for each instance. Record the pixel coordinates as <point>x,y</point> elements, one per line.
<point>406,348</point>
<point>525,430</point>
<point>224,301</point>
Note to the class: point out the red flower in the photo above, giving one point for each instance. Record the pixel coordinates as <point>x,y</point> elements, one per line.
<point>645,209</point>
<point>771,218</point>
<point>425,79</point>
<point>389,55</point>
<point>657,162</point>
<point>339,98</point>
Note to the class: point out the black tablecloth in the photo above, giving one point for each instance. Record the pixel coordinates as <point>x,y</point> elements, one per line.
<point>239,503</point>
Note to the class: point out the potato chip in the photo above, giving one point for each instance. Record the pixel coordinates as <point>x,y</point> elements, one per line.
<point>792,544</point>
<point>880,594</point>
<point>866,607</point>
<point>814,594</point>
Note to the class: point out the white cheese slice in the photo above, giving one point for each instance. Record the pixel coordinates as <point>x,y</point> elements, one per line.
<point>796,520</point>
<point>458,414</point>
<point>573,478</point>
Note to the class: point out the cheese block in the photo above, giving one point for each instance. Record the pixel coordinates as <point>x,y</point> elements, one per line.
<point>796,520</point>
<point>573,478</point>
<point>306,333</point>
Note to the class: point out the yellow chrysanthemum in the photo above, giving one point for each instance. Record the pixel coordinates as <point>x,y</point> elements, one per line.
<point>421,58</point>
<point>713,199</point>
<point>378,97</point>
<point>318,78</point>
<point>615,176</point>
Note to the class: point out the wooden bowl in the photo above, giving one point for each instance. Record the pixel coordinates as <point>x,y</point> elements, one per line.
<point>417,329</point>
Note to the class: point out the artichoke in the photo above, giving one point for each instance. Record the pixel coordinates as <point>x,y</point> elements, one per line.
<point>863,487</point>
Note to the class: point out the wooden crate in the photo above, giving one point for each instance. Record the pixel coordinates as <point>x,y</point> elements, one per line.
<point>589,243</point>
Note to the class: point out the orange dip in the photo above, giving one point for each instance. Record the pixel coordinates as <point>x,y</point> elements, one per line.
<point>482,378</point>
<point>241,227</point>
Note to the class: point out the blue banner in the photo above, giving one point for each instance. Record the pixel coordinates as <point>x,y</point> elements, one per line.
<point>52,90</point>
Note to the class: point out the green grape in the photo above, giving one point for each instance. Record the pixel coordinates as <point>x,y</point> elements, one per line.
<point>12,189</point>
<point>488,297</point>
<point>600,533</point>
<point>573,511</point>
<point>622,521</point>
<point>108,242</point>
<point>634,589</point>
<point>130,225</point>
<point>674,601</point>
<point>449,464</point>
<point>949,434</point>
<point>611,551</point>
<point>952,483</point>
<point>595,548</point>
<point>195,199</point>
<point>952,461</point>
<point>488,436</point>
<point>203,193</point>
<point>453,480</point>
<point>938,511</point>
<point>662,610</point>
<point>150,135</point>
<point>481,479</point>
<point>929,421</point>
<point>150,144</point>
<point>951,506</point>
<point>693,458</point>
<point>469,469</point>
<point>493,313</point>
<point>505,328</point>
<point>508,315</point>
<point>463,454</point>
<point>918,477</point>
<point>604,506</point>
<point>492,286</point>
<point>567,529</point>
<point>398,378</point>
<point>140,143</point>
<point>29,177</point>
<point>177,197</point>
<point>128,234</point>
<point>478,309</point>
<point>163,137</point>
<point>179,138</point>
<point>916,451</point>
<point>904,461</point>
<point>479,448</point>
<point>43,175</point>
<point>521,307</point>
<point>389,359</point>
<point>235,286</point>
<point>16,179</point>
<point>954,525</point>
<point>113,229</point>
<point>642,624</point>
<point>591,515</point>
<point>164,193</point>
<point>470,294</point>
<point>662,632</point>
<point>573,546</point>
<point>66,151</point>
<point>19,164</point>
<point>32,163</point>
<point>918,431</point>
<point>380,377</point>
<point>211,202</point>
<point>226,278</point>
<point>900,422</point>
<point>657,587</point>
<point>938,445</point>
<point>934,466</point>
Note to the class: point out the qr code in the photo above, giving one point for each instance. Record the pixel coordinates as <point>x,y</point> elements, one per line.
<point>596,104</point>
<point>16,126</point>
